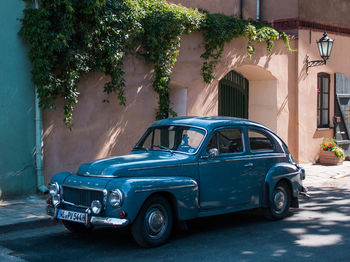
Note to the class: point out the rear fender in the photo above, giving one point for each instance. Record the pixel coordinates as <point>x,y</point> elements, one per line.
<point>282,171</point>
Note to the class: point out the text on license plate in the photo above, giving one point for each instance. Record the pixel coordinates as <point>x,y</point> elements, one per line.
<point>71,216</point>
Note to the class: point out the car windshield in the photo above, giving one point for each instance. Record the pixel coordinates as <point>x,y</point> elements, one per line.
<point>172,138</point>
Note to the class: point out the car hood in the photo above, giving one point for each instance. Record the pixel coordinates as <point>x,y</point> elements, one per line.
<point>126,165</point>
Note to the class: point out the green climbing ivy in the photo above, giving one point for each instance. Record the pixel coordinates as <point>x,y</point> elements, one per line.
<point>68,38</point>
<point>163,25</point>
<point>219,29</point>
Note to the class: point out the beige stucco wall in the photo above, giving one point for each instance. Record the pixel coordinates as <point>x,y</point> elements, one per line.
<point>270,10</point>
<point>99,129</point>
<point>317,10</point>
<point>313,10</point>
<point>249,9</point>
<point>263,102</point>
<point>309,136</point>
<point>102,130</point>
<point>227,7</point>
<point>282,9</point>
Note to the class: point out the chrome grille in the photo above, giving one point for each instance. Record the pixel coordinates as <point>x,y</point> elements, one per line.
<point>81,197</point>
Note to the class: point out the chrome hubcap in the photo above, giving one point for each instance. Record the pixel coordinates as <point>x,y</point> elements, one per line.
<point>156,222</point>
<point>279,200</point>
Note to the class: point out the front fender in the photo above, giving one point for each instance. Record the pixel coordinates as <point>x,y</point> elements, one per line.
<point>184,191</point>
<point>282,171</point>
<point>60,177</point>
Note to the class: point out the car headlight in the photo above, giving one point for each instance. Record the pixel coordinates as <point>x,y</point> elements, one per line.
<point>116,198</point>
<point>96,207</point>
<point>56,199</point>
<point>54,189</point>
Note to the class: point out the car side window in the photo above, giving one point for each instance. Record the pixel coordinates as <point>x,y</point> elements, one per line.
<point>226,141</point>
<point>213,142</point>
<point>258,141</point>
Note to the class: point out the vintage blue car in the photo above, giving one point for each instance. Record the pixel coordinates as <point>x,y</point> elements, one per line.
<point>180,169</point>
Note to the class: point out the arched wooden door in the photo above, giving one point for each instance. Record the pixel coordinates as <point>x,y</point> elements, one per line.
<point>233,95</point>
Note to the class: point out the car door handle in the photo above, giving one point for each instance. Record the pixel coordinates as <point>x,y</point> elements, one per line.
<point>249,165</point>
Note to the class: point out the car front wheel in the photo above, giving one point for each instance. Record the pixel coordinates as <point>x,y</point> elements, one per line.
<point>153,225</point>
<point>280,202</point>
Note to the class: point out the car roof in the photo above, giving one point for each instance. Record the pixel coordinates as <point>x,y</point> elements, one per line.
<point>207,122</point>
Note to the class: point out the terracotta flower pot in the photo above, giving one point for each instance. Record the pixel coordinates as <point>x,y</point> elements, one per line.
<point>329,158</point>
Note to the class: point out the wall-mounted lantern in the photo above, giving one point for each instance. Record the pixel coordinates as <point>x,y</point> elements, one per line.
<point>325,45</point>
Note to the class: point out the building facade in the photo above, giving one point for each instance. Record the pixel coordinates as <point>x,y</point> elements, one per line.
<point>17,128</point>
<point>271,88</point>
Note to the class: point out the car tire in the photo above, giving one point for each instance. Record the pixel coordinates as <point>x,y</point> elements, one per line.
<point>76,228</point>
<point>154,223</point>
<point>280,202</point>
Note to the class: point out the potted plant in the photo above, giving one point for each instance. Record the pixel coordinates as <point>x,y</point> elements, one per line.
<point>331,153</point>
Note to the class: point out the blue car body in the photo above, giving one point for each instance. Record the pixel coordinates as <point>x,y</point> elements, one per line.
<point>197,183</point>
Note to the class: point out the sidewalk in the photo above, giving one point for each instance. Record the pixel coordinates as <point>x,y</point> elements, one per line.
<point>23,213</point>
<point>28,213</point>
<point>327,176</point>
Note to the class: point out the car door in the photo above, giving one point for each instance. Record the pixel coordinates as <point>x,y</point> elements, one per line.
<point>264,152</point>
<point>225,179</point>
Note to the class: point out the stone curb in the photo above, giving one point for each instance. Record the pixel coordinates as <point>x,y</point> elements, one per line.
<point>33,224</point>
<point>340,176</point>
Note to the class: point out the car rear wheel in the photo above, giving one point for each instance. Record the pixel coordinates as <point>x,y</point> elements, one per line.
<point>280,202</point>
<point>153,225</point>
<point>76,228</point>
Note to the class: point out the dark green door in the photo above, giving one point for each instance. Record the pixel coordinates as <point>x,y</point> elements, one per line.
<point>233,95</point>
<point>342,111</point>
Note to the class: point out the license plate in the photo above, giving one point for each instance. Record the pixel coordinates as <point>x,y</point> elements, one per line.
<point>71,216</point>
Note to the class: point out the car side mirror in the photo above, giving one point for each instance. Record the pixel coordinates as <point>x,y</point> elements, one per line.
<point>213,153</point>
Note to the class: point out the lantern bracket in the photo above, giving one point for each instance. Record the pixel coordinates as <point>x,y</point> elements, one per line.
<point>313,63</point>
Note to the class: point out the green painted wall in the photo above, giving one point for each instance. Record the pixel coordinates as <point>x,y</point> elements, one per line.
<point>17,129</point>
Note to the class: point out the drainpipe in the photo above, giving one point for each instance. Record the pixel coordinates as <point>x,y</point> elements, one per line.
<point>38,146</point>
<point>39,139</point>
<point>258,4</point>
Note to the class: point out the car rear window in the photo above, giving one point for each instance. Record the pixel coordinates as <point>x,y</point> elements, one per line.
<point>259,141</point>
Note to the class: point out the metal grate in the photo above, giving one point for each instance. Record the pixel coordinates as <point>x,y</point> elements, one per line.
<point>81,197</point>
<point>233,95</point>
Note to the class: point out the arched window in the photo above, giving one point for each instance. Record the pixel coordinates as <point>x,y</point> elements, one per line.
<point>323,83</point>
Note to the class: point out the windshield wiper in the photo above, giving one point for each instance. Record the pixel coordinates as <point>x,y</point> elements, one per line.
<point>162,147</point>
<point>140,148</point>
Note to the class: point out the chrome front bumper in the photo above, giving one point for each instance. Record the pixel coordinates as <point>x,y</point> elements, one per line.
<point>92,220</point>
<point>109,221</point>
<point>304,192</point>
